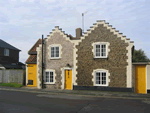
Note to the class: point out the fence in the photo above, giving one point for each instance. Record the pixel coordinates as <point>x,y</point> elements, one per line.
<point>12,76</point>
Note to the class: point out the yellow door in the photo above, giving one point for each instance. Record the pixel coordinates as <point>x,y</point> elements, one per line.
<point>140,79</point>
<point>32,75</point>
<point>68,79</point>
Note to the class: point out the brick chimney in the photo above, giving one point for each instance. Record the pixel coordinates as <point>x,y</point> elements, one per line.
<point>78,33</point>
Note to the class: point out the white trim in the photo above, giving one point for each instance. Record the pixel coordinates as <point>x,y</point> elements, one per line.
<point>38,49</point>
<point>49,51</point>
<point>26,74</point>
<point>107,77</point>
<point>63,77</point>
<point>129,66</point>
<point>2,67</point>
<point>146,79</point>
<point>54,76</point>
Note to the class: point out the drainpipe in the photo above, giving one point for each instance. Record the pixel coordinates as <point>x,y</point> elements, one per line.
<point>42,63</point>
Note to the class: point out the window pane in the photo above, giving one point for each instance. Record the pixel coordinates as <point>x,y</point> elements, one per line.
<point>97,82</point>
<point>97,54</point>
<point>97,46</point>
<point>51,76</point>
<point>52,54</point>
<point>52,51</point>
<point>47,76</point>
<point>97,50</point>
<point>57,48</point>
<point>104,82</point>
<point>52,48</point>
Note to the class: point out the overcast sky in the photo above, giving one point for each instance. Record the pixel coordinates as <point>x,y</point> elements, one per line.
<point>22,22</point>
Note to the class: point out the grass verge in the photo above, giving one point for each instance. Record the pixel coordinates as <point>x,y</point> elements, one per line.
<point>11,84</point>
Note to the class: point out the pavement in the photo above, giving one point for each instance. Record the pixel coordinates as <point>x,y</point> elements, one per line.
<point>109,94</point>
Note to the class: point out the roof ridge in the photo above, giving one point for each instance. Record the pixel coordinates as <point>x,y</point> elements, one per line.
<point>13,47</point>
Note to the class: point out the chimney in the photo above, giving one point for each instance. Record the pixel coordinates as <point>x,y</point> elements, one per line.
<point>78,33</point>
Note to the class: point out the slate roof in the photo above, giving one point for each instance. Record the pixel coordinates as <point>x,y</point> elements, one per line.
<point>18,65</point>
<point>4,44</point>
<point>32,59</point>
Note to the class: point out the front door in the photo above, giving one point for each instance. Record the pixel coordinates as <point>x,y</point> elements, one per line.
<point>32,75</point>
<point>140,79</point>
<point>68,79</point>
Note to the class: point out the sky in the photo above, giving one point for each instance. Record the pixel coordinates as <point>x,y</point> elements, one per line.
<point>22,22</point>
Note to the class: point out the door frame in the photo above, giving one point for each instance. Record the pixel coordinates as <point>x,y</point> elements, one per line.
<point>145,75</point>
<point>63,77</point>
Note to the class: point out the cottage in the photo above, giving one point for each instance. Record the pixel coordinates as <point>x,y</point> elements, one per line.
<point>101,59</point>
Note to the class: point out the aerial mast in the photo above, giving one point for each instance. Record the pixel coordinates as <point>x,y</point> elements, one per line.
<point>83,21</point>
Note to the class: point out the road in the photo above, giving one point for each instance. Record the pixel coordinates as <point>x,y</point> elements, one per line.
<point>25,102</point>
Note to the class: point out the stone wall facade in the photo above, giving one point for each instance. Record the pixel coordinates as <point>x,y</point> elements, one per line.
<point>116,63</point>
<point>66,53</point>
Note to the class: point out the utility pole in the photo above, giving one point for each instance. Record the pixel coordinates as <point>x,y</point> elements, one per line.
<point>42,62</point>
<point>83,21</point>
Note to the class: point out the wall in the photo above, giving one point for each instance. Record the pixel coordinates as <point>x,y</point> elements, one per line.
<point>13,56</point>
<point>56,64</point>
<point>116,63</point>
<point>66,53</point>
<point>148,77</point>
<point>12,75</point>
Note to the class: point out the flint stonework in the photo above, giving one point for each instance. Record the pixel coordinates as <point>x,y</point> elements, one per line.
<point>116,62</point>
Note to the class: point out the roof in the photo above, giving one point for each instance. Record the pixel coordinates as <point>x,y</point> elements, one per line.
<point>4,44</point>
<point>32,59</point>
<point>18,65</point>
<point>33,49</point>
<point>142,63</point>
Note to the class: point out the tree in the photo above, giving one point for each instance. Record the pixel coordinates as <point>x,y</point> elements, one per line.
<point>139,56</point>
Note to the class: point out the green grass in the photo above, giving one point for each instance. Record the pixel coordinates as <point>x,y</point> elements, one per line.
<point>11,84</point>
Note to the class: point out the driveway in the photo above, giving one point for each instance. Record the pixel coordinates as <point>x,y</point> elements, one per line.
<point>25,102</point>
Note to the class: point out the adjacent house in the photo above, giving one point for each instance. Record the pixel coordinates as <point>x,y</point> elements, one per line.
<point>31,66</point>
<point>101,59</point>
<point>11,70</point>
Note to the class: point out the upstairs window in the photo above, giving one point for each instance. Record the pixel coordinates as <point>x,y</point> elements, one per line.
<point>100,50</point>
<point>6,52</point>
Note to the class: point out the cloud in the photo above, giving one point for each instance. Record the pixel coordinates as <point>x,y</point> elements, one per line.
<point>24,21</point>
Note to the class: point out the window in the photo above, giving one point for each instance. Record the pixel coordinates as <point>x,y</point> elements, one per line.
<point>55,52</point>
<point>100,78</point>
<point>49,77</point>
<point>6,52</point>
<point>100,50</point>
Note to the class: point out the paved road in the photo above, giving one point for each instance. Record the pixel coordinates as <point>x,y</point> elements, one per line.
<point>24,102</point>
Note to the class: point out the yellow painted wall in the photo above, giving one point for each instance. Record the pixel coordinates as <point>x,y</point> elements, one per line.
<point>32,74</point>
<point>140,79</point>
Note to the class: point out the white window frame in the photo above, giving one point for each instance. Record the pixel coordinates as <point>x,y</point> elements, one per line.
<point>100,43</point>
<point>55,45</point>
<point>101,78</point>
<point>49,77</point>
<point>5,52</point>
<point>100,50</point>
